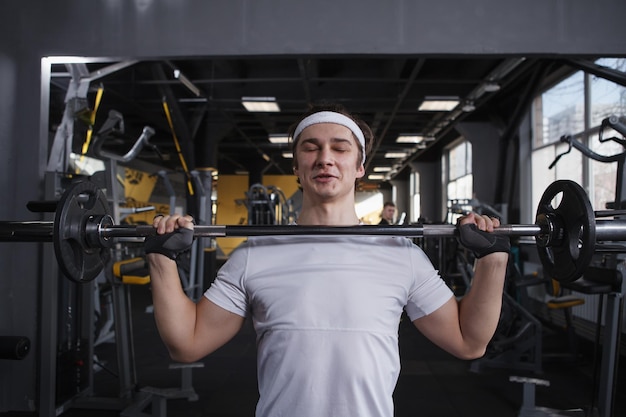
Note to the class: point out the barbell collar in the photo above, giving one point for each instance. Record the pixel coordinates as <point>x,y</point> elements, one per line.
<point>611,230</point>
<point>93,235</point>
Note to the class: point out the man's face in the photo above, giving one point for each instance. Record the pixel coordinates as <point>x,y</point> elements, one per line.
<point>389,212</point>
<point>327,160</point>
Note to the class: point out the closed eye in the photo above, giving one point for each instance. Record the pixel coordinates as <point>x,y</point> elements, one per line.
<point>341,145</point>
<point>309,147</point>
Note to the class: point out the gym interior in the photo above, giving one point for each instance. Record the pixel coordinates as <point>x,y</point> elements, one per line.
<point>125,110</point>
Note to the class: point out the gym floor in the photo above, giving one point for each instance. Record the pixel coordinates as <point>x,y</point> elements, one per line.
<point>432,383</point>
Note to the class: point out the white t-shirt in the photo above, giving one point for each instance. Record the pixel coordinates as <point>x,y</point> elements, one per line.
<point>326,311</point>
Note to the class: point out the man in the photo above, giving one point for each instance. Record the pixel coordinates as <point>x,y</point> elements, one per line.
<point>326,309</point>
<point>389,211</point>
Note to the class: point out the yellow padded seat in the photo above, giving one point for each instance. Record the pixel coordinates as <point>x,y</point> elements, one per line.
<point>132,271</point>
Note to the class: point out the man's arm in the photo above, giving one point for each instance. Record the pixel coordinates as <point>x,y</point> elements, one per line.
<point>464,328</point>
<point>189,330</point>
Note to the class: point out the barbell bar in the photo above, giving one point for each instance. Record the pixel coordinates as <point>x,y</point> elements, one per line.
<point>83,231</point>
<point>605,230</point>
<point>214,231</point>
<point>43,231</point>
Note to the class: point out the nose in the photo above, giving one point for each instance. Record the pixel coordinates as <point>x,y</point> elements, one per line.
<point>324,156</point>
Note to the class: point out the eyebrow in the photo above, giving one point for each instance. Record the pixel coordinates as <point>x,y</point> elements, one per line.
<point>333,140</point>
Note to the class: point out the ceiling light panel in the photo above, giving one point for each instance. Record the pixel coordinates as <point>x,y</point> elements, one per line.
<point>439,104</point>
<point>279,138</point>
<point>260,104</point>
<point>376,177</point>
<point>409,138</point>
<point>394,155</point>
<point>491,87</point>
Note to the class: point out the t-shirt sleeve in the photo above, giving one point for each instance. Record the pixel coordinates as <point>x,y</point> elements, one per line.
<point>429,291</point>
<point>228,290</point>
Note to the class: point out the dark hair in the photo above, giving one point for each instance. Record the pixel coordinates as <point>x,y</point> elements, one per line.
<point>389,203</point>
<point>337,108</point>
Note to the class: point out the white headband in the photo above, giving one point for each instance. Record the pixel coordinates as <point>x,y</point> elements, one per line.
<point>331,117</point>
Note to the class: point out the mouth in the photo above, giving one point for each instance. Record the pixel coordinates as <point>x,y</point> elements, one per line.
<point>323,177</point>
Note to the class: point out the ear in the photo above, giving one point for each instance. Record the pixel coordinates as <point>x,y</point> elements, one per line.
<point>360,171</point>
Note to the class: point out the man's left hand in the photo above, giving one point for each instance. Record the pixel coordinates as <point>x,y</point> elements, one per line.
<point>475,234</point>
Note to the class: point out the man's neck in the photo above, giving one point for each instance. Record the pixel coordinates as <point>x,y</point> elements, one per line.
<point>328,214</point>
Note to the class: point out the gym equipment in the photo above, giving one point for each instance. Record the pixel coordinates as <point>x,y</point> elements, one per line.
<point>268,206</point>
<point>14,347</point>
<point>78,260</point>
<point>576,237</point>
<point>607,284</point>
<point>529,409</point>
<point>83,231</point>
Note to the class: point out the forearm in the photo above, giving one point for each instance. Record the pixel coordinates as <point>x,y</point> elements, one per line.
<point>479,309</point>
<point>174,311</point>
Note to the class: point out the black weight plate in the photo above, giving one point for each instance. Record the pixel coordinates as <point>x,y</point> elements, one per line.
<point>77,259</point>
<point>566,259</point>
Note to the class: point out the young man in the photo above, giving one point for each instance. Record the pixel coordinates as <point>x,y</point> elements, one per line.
<point>326,309</point>
<point>389,211</point>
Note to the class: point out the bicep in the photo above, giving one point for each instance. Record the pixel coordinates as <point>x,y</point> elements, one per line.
<point>442,327</point>
<point>215,326</point>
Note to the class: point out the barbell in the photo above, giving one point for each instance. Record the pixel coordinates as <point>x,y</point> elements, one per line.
<point>83,231</point>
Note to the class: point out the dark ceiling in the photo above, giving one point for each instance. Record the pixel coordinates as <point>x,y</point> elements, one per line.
<point>213,129</point>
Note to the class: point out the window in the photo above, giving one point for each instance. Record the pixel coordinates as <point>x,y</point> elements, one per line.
<point>415,209</point>
<point>460,184</point>
<point>457,165</point>
<point>576,107</point>
<point>607,98</point>
<point>568,167</point>
<point>561,110</point>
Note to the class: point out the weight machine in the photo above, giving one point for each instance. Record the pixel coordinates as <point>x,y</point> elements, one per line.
<point>69,336</point>
<point>267,205</point>
<point>191,271</point>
